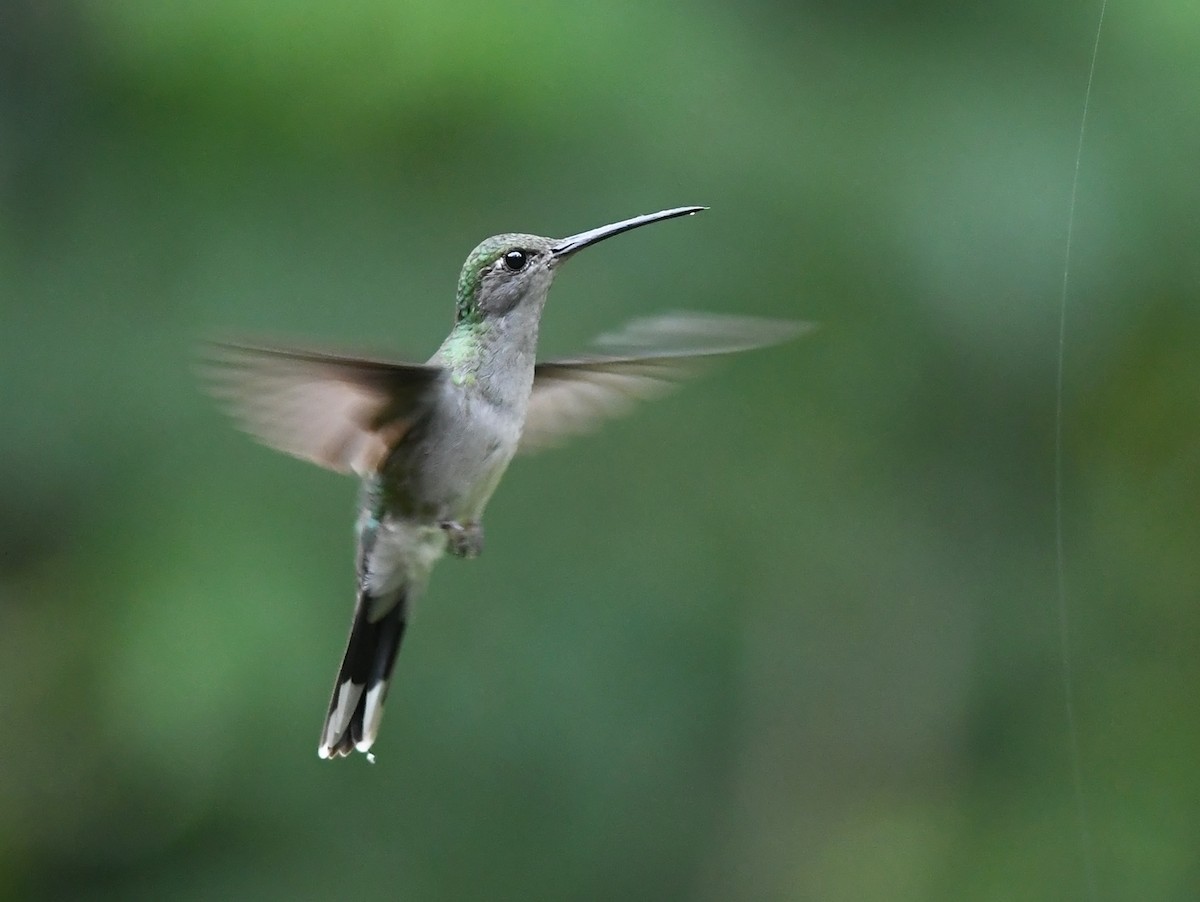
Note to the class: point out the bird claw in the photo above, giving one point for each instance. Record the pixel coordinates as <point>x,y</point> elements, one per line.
<point>465,539</point>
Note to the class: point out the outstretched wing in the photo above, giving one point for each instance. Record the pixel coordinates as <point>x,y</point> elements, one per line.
<point>642,361</point>
<point>344,413</point>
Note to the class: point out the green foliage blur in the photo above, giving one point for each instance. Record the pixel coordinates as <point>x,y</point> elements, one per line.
<point>792,633</point>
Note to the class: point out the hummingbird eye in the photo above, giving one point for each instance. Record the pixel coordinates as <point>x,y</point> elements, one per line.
<point>515,260</point>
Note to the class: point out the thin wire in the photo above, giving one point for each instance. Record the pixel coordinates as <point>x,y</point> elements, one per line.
<point>1064,622</point>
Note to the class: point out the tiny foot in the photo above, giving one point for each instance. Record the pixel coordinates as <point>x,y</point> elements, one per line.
<point>465,539</point>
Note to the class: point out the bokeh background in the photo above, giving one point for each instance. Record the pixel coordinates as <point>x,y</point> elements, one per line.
<point>793,633</point>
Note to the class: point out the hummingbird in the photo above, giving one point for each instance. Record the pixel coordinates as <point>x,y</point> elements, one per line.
<point>430,441</point>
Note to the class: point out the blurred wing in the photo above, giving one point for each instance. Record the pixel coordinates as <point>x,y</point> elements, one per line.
<point>343,413</point>
<point>642,361</point>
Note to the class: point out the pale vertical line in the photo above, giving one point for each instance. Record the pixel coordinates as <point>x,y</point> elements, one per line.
<point>1064,621</point>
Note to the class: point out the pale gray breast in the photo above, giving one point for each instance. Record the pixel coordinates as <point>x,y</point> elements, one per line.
<point>468,446</point>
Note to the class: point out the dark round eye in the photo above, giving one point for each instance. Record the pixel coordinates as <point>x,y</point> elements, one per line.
<point>515,261</point>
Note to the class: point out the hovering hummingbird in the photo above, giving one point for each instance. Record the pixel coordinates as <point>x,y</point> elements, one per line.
<point>431,441</point>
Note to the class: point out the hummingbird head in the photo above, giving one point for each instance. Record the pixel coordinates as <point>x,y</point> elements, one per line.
<point>508,271</point>
<point>502,272</point>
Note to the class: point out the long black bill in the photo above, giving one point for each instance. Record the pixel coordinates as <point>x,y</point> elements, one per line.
<point>567,246</point>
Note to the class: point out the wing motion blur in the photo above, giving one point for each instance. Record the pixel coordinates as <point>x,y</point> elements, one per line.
<point>344,413</point>
<point>643,360</point>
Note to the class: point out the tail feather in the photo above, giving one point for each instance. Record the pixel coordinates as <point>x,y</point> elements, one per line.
<point>356,707</point>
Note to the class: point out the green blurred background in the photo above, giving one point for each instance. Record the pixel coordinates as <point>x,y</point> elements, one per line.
<point>793,633</point>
